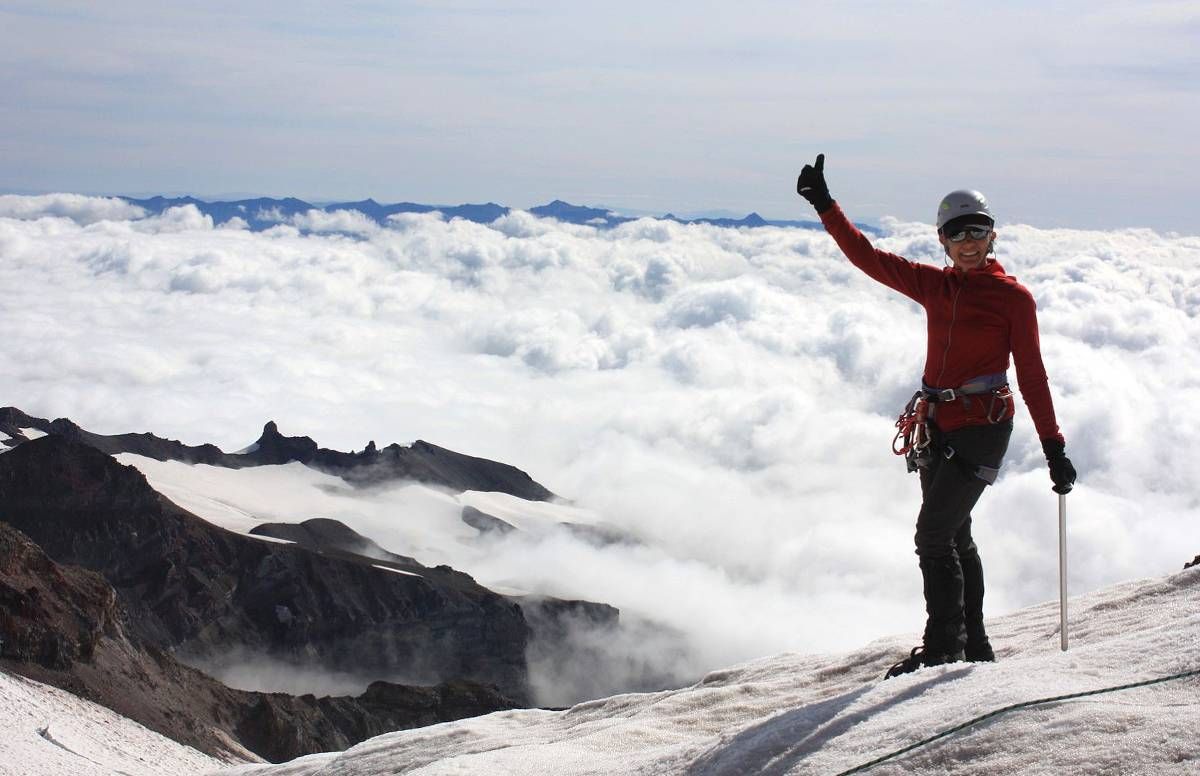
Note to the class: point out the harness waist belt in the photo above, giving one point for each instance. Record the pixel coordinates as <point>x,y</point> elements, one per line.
<point>976,385</point>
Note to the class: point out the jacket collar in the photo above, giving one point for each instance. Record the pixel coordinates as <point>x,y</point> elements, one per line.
<point>990,267</point>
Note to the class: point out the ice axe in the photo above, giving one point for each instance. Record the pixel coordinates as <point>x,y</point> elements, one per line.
<point>1062,566</point>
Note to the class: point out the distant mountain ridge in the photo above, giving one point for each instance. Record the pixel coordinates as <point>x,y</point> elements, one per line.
<point>422,461</point>
<point>266,212</point>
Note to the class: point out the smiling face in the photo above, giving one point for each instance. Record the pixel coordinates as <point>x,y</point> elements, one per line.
<point>971,250</point>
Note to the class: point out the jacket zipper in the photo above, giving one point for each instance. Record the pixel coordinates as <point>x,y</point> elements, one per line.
<point>950,331</point>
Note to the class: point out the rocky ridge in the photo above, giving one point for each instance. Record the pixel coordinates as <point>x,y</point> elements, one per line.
<point>421,462</point>
<point>320,597</point>
<point>199,590</point>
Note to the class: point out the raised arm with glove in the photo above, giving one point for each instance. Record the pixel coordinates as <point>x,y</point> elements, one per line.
<point>811,185</point>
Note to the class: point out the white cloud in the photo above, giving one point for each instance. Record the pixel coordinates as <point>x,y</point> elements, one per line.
<point>78,208</point>
<point>184,218</point>
<point>348,221</point>
<point>727,395</point>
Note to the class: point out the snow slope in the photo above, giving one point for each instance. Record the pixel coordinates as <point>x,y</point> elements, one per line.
<point>404,517</point>
<point>794,714</point>
<point>48,732</point>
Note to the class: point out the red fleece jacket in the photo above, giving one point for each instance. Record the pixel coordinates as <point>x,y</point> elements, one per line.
<point>974,320</point>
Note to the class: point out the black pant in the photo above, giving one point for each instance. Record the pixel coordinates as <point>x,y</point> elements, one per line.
<point>950,488</point>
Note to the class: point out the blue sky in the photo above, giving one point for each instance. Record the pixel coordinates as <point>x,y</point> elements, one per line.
<point>1075,114</point>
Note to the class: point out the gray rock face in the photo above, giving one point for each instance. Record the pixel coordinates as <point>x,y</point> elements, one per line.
<point>197,589</point>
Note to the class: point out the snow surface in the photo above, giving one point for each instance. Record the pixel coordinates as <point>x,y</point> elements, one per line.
<point>796,714</point>
<point>32,433</point>
<point>272,539</point>
<point>395,571</point>
<point>49,732</point>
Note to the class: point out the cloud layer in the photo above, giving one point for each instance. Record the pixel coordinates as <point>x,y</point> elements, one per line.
<point>725,395</point>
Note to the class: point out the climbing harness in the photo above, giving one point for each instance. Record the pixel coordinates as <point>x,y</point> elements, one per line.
<point>1013,707</point>
<point>994,385</point>
<point>913,434</point>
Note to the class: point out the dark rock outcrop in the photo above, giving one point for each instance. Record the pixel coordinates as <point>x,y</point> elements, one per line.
<point>50,615</point>
<point>200,590</point>
<point>1195,562</point>
<point>148,445</point>
<point>600,534</point>
<point>337,540</point>
<point>486,524</point>
<point>64,626</point>
<point>333,537</point>
<point>421,462</point>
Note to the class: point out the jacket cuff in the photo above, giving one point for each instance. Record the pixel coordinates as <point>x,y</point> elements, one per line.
<point>1053,447</point>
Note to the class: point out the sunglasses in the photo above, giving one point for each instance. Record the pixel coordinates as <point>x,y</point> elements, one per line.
<point>974,232</point>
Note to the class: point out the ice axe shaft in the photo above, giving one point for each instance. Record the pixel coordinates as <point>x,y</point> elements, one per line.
<point>1062,566</point>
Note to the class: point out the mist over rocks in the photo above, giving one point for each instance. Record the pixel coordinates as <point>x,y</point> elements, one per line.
<point>582,650</point>
<point>65,626</point>
<point>199,590</point>
<point>573,649</point>
<point>600,534</point>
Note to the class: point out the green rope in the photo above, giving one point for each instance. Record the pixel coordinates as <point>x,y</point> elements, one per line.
<point>1014,707</point>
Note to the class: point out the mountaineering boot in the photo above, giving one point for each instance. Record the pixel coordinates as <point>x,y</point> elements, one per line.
<point>978,648</point>
<point>919,657</point>
<point>945,632</point>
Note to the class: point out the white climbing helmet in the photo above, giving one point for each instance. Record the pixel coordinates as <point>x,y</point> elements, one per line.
<point>963,202</point>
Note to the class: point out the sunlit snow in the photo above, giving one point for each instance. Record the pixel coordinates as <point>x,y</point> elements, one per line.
<point>394,570</point>
<point>49,732</point>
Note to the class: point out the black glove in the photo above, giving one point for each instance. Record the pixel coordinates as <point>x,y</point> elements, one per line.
<point>1061,470</point>
<point>811,185</point>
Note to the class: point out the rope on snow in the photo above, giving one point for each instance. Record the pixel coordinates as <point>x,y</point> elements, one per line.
<point>1013,707</point>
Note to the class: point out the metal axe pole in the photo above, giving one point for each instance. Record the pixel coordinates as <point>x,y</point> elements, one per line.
<point>1062,566</point>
